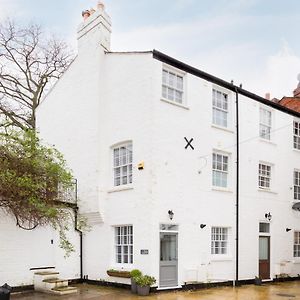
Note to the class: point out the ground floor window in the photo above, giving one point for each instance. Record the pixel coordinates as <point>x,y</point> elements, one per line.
<point>297,244</point>
<point>219,240</point>
<point>124,244</point>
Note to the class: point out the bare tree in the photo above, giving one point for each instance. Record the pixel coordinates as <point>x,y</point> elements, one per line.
<point>29,64</point>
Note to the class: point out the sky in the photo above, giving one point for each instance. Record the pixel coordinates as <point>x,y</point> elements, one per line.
<point>252,42</point>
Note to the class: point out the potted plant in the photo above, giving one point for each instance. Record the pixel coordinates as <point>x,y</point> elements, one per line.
<point>133,274</point>
<point>257,280</point>
<point>118,273</point>
<point>143,284</point>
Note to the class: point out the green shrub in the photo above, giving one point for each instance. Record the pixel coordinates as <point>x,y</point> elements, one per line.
<point>144,280</point>
<point>135,273</point>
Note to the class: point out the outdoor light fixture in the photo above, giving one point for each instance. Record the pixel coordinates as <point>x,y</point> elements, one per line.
<point>202,226</point>
<point>171,214</point>
<point>288,229</point>
<point>268,216</point>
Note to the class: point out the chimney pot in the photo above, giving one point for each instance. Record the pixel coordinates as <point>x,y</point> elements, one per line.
<point>92,11</point>
<point>297,90</point>
<point>85,14</point>
<point>100,5</point>
<point>268,96</point>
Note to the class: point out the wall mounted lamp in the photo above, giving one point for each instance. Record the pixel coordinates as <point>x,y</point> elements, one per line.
<point>288,229</point>
<point>268,216</point>
<point>202,226</point>
<point>171,214</point>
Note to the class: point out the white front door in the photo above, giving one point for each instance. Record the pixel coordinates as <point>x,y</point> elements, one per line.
<point>168,273</point>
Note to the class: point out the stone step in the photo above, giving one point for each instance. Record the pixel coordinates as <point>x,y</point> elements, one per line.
<point>55,283</point>
<point>41,278</point>
<point>64,290</point>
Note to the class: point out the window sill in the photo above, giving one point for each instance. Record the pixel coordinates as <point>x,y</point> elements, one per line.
<point>120,188</point>
<point>267,141</point>
<point>296,150</point>
<point>296,260</point>
<point>222,128</point>
<point>217,258</point>
<point>267,191</point>
<point>220,189</point>
<point>174,103</point>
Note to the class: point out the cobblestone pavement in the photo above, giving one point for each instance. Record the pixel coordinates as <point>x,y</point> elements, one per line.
<point>274,291</point>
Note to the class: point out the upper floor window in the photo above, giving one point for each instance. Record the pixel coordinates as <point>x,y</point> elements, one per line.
<point>122,164</point>
<point>219,240</point>
<point>265,123</point>
<point>296,185</point>
<point>172,86</point>
<point>220,108</point>
<point>124,244</point>
<point>297,244</point>
<point>296,135</point>
<point>220,170</point>
<point>264,176</point>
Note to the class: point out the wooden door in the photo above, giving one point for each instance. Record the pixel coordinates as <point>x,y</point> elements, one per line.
<point>264,257</point>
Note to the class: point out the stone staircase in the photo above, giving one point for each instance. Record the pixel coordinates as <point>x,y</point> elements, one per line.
<point>49,282</point>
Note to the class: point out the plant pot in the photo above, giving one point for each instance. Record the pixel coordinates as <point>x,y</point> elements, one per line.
<point>123,274</point>
<point>257,281</point>
<point>143,290</point>
<point>133,286</point>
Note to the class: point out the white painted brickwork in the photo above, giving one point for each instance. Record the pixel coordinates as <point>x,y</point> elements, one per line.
<point>110,98</point>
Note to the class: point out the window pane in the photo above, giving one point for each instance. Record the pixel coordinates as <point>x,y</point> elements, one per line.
<point>219,170</point>
<point>219,237</point>
<point>124,244</point>
<point>172,86</point>
<point>264,227</point>
<point>122,165</point>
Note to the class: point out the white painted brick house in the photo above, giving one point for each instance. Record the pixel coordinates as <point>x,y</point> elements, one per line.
<point>124,122</point>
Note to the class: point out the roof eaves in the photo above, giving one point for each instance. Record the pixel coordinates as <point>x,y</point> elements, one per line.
<point>218,81</point>
<point>128,52</point>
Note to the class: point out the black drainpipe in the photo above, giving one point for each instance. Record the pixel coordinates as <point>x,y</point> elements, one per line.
<point>237,187</point>
<point>80,241</point>
<point>80,235</point>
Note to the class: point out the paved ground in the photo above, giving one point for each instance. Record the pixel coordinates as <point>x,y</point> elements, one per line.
<point>283,291</point>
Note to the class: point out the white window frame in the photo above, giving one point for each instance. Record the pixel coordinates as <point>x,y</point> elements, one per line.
<point>296,181</point>
<point>296,244</point>
<point>219,240</point>
<point>265,175</point>
<point>220,106</point>
<point>265,123</point>
<point>296,134</point>
<point>221,168</point>
<point>124,239</point>
<point>122,163</point>
<point>175,87</point>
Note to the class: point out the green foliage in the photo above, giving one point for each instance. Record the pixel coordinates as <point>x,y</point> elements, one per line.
<point>33,181</point>
<point>135,273</point>
<point>144,280</point>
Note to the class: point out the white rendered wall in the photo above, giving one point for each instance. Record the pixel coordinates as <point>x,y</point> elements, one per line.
<point>105,99</point>
<point>21,250</point>
<point>129,107</point>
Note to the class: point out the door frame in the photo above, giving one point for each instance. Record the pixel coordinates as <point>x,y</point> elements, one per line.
<point>175,232</point>
<point>269,255</point>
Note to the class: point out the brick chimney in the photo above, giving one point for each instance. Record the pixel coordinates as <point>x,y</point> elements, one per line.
<point>297,90</point>
<point>95,30</point>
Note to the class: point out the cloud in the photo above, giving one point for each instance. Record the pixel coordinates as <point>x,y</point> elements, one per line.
<point>9,8</point>
<point>215,45</point>
<point>281,72</point>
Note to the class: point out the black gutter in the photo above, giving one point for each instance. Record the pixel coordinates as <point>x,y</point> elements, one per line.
<point>237,188</point>
<point>218,81</point>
